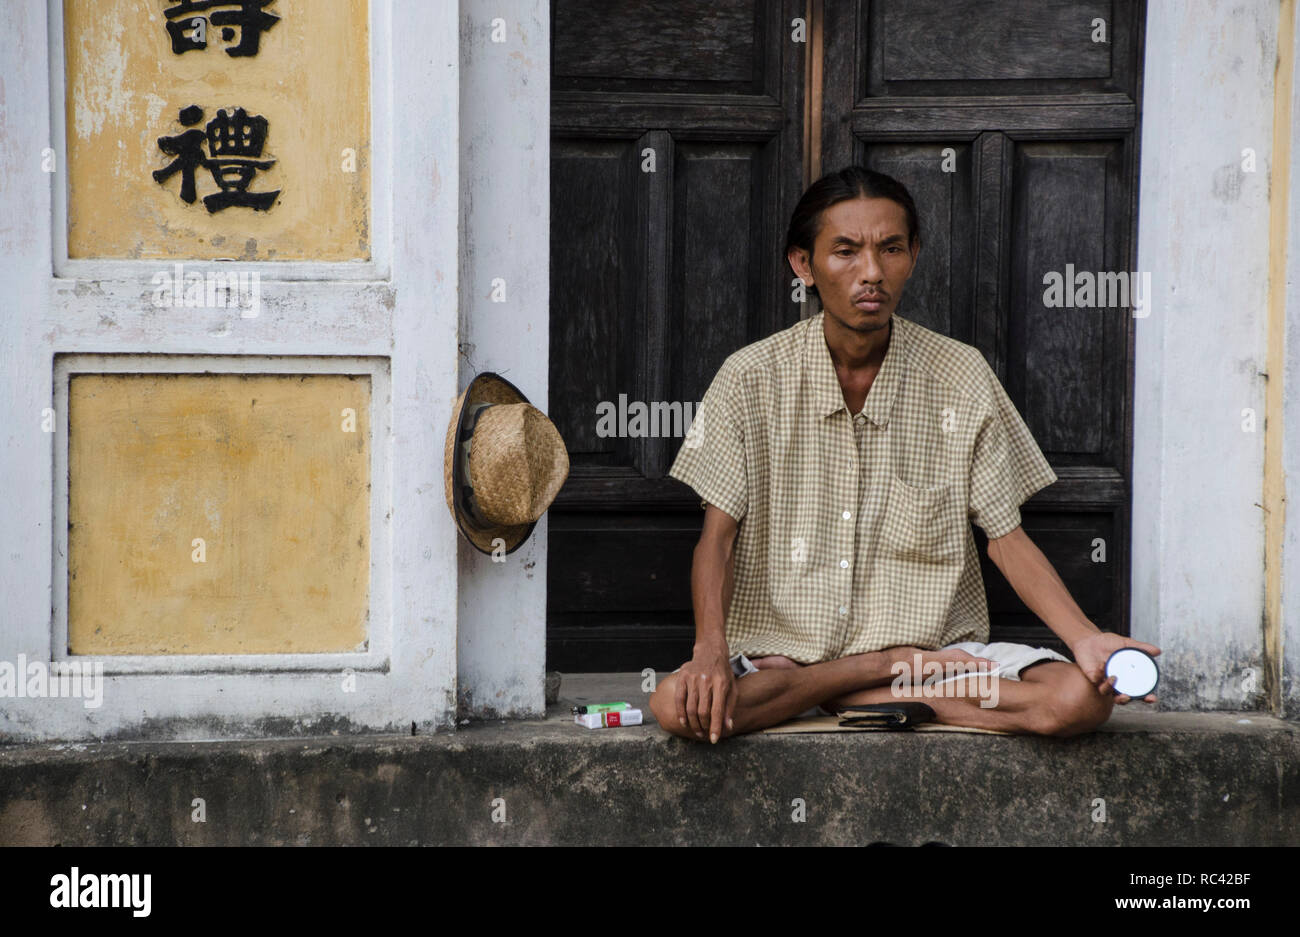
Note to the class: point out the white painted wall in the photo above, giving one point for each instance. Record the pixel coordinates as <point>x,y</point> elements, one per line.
<point>505,155</point>
<point>1291,428</point>
<point>107,307</point>
<point>1198,536</point>
<point>25,469</point>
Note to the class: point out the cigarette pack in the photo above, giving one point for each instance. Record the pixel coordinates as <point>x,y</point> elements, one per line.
<point>626,717</point>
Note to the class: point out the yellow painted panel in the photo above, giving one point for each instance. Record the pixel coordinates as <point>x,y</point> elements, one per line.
<point>126,88</point>
<point>218,513</point>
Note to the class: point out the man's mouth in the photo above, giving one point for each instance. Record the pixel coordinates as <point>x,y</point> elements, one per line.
<point>870,301</point>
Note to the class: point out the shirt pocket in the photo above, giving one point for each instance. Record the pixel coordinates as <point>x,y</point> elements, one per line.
<point>922,524</point>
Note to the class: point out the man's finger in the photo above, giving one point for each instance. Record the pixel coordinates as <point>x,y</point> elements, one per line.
<point>731,705</point>
<point>705,704</point>
<point>679,696</point>
<point>1142,646</point>
<point>693,694</point>
<point>719,707</point>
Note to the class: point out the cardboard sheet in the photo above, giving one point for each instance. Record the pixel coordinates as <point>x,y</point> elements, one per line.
<point>832,724</point>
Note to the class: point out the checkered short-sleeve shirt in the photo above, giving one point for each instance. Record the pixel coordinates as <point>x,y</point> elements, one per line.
<point>854,529</point>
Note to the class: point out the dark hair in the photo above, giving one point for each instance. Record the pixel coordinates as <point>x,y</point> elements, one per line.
<point>848,183</point>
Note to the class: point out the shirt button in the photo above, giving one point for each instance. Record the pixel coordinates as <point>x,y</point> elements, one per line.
<point>844,564</point>
<point>846,515</point>
<point>844,609</point>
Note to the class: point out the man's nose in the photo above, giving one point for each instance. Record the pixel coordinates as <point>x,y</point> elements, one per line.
<point>871,271</point>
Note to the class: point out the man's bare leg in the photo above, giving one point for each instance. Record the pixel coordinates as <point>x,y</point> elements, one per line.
<point>777,693</point>
<point>1050,698</point>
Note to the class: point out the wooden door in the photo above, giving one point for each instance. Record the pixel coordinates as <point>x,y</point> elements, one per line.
<point>678,154</point>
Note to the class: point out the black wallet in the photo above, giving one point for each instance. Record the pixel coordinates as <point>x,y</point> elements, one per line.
<point>886,715</point>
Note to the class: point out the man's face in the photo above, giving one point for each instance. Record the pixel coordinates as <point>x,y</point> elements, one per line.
<point>860,261</point>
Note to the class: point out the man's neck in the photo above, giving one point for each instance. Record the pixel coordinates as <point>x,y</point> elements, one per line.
<point>852,350</point>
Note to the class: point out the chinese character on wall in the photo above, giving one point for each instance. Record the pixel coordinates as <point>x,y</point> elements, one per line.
<point>188,26</point>
<point>234,143</point>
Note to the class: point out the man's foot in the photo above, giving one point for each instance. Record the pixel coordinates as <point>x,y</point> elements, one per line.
<point>953,656</point>
<point>942,657</point>
<point>917,670</point>
<point>775,662</point>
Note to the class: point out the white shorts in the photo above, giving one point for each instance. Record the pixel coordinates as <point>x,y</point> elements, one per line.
<point>1011,660</point>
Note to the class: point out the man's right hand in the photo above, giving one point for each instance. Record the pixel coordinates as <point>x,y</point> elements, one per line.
<point>706,692</point>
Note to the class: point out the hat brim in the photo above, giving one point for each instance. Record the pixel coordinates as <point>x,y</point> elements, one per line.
<point>486,387</point>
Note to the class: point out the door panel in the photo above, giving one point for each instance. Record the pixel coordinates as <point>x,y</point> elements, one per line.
<point>1006,47</point>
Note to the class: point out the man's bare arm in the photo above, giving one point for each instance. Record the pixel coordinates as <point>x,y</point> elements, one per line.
<point>713,576</point>
<point>706,688</point>
<point>1036,581</point>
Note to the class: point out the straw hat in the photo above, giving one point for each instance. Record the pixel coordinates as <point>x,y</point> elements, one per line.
<point>503,463</point>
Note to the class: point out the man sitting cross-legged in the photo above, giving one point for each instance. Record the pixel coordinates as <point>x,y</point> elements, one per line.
<point>841,462</point>
<point>706,698</point>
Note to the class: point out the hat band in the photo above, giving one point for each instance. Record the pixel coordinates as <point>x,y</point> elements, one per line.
<point>467,490</point>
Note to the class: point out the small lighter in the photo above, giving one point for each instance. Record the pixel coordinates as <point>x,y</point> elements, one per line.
<point>584,709</point>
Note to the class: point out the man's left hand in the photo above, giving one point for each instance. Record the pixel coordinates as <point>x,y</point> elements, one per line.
<point>1092,652</point>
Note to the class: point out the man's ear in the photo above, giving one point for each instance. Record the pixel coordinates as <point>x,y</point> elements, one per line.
<point>798,259</point>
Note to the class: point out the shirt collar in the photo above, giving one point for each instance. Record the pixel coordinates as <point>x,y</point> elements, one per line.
<point>827,395</point>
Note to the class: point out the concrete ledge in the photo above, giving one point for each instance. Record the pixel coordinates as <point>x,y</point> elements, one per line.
<point>1166,779</point>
